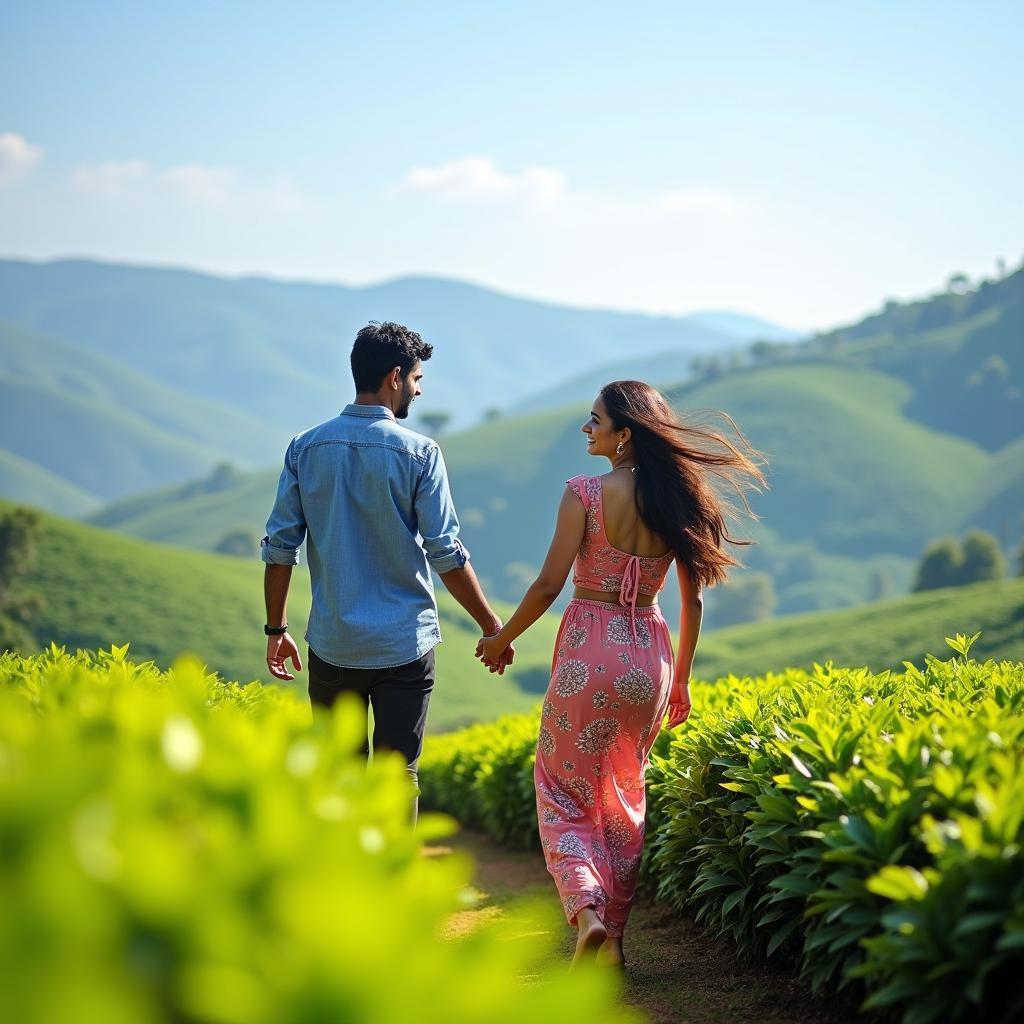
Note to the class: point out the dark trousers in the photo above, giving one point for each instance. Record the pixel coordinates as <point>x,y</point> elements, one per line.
<point>399,698</point>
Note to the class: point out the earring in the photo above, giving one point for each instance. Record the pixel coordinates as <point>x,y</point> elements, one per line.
<point>618,448</point>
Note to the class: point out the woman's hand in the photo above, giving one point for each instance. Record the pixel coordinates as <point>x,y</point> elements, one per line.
<point>678,704</point>
<point>495,652</point>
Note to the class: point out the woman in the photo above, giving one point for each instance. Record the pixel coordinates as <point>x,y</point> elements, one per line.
<point>613,675</point>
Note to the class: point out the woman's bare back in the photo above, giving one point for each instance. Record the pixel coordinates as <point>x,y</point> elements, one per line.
<point>622,523</point>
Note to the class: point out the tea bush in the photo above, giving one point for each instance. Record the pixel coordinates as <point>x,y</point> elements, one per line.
<point>869,825</point>
<point>175,848</point>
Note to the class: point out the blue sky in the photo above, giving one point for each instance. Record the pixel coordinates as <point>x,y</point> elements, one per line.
<point>798,161</point>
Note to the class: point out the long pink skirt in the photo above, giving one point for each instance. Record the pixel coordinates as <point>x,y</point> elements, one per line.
<point>602,711</point>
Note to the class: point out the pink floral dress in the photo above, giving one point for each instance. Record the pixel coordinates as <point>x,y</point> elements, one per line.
<point>609,690</point>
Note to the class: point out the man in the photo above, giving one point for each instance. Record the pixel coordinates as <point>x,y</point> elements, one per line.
<point>371,499</point>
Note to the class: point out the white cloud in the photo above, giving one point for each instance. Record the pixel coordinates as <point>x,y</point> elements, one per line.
<point>110,179</point>
<point>17,157</point>
<point>477,179</point>
<point>193,184</point>
<point>697,200</point>
<point>200,183</point>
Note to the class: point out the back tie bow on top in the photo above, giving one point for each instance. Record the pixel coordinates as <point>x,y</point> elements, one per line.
<point>628,590</point>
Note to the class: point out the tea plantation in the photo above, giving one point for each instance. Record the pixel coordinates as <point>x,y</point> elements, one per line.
<point>176,848</point>
<point>869,826</point>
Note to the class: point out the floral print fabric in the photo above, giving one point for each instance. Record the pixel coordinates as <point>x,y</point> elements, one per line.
<point>603,709</point>
<point>598,565</point>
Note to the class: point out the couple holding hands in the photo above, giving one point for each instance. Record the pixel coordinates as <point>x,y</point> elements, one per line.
<point>370,498</point>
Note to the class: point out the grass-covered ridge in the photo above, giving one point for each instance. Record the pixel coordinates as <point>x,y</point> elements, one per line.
<point>179,848</point>
<point>871,826</point>
<point>857,488</point>
<point>100,587</point>
<point>108,430</point>
<point>881,635</point>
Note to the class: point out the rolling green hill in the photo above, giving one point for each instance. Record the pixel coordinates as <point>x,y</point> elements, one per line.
<point>961,354</point>
<point>857,488</point>
<point>100,588</point>
<point>875,449</point>
<point>846,467</point>
<point>37,486</point>
<point>879,636</point>
<point>106,431</point>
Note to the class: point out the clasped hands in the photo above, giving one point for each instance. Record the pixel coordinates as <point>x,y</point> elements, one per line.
<point>495,652</point>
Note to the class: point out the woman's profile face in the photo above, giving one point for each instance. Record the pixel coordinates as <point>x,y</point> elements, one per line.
<point>601,436</point>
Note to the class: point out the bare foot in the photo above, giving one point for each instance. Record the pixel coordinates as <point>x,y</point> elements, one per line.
<point>592,934</point>
<point>610,954</point>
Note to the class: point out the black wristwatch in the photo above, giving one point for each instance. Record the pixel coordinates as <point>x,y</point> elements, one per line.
<point>275,630</point>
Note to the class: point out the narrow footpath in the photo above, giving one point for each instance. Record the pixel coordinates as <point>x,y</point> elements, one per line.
<point>675,973</point>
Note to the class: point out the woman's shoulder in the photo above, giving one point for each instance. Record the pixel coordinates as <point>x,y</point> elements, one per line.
<point>586,488</point>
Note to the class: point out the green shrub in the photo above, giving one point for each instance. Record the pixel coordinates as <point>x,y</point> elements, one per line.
<point>176,848</point>
<point>871,826</point>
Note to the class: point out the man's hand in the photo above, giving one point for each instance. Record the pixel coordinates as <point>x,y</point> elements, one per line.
<point>279,650</point>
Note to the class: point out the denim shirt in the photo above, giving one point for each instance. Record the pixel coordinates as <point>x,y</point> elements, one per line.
<point>371,499</point>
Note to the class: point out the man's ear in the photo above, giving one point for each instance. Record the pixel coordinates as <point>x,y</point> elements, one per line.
<point>395,378</point>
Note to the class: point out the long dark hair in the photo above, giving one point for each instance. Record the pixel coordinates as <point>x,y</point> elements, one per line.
<point>677,466</point>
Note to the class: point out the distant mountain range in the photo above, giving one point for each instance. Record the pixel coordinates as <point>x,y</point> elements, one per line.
<point>162,373</point>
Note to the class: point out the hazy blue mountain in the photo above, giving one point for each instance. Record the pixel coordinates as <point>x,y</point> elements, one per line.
<point>279,349</point>
<point>661,368</point>
<point>744,327</point>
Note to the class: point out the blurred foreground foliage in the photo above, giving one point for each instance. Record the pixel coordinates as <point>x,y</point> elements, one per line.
<point>177,848</point>
<point>870,826</point>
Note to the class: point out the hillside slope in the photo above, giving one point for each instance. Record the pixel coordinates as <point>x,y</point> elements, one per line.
<point>880,635</point>
<point>36,486</point>
<point>857,488</point>
<point>100,588</point>
<point>105,430</point>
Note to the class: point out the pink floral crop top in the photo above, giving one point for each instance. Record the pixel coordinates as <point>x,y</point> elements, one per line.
<point>599,566</point>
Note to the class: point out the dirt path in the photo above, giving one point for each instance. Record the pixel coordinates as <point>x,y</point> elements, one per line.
<point>675,972</point>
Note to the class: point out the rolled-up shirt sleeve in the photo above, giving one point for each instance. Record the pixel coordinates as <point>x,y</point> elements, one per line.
<point>436,518</point>
<point>286,527</point>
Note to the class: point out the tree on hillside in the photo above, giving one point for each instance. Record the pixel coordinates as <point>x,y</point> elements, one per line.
<point>748,598</point>
<point>958,284</point>
<point>19,539</point>
<point>764,352</point>
<point>433,423</point>
<point>939,566</point>
<point>982,558</point>
<point>948,563</point>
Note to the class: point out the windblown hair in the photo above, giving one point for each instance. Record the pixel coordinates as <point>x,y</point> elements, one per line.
<point>379,348</point>
<point>678,466</point>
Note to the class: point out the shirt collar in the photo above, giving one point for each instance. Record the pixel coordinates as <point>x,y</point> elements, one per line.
<point>368,412</point>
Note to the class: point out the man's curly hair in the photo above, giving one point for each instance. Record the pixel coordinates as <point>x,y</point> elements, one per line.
<point>380,347</point>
